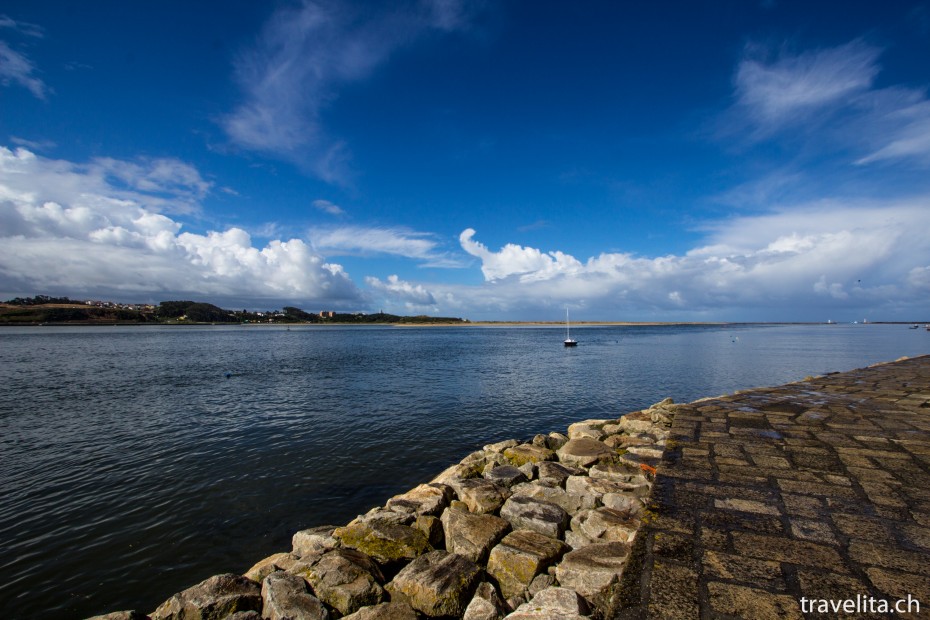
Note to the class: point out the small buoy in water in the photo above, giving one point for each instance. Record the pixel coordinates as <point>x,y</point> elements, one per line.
<point>227,374</point>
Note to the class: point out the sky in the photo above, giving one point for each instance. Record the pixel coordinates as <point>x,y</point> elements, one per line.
<point>498,160</point>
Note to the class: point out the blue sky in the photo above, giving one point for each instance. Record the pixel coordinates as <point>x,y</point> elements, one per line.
<point>491,160</point>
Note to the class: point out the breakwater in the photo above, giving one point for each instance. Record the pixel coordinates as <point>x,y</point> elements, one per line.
<point>519,530</point>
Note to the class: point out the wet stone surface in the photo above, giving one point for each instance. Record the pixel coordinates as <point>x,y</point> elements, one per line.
<point>815,490</point>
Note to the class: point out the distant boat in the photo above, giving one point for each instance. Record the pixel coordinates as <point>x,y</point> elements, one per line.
<point>569,342</point>
<point>915,327</point>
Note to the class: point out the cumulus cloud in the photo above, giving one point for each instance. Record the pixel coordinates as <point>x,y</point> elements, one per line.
<point>98,229</point>
<point>304,56</point>
<point>396,290</point>
<point>807,256</point>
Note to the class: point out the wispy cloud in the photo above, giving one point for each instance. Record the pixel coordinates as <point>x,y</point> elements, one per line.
<point>17,68</point>
<point>362,240</point>
<point>96,229</point>
<point>33,145</point>
<point>826,100</point>
<point>328,207</point>
<point>791,87</point>
<point>24,28</point>
<point>537,225</point>
<point>304,56</point>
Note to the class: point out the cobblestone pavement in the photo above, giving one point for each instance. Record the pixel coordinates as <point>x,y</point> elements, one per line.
<point>815,490</point>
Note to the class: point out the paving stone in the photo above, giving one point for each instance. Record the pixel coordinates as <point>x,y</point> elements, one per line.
<point>826,585</point>
<point>871,554</point>
<point>899,585</point>
<point>746,505</point>
<point>803,505</point>
<point>745,602</point>
<point>735,567</point>
<point>781,549</point>
<point>674,592</point>
<point>810,529</point>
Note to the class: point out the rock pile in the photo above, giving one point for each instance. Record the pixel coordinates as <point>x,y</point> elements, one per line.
<point>533,530</point>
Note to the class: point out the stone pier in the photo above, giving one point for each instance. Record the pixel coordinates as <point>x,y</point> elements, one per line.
<point>813,494</point>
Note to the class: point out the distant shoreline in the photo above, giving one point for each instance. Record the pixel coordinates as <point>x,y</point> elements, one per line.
<point>451,324</point>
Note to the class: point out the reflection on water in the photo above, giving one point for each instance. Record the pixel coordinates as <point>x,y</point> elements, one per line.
<point>133,467</point>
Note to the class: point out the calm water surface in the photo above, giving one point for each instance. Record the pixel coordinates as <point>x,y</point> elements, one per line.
<point>132,467</point>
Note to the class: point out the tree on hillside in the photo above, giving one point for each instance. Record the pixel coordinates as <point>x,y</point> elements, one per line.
<point>173,309</point>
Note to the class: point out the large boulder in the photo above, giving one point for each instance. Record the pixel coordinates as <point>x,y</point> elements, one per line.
<point>212,599</point>
<point>480,495</point>
<point>313,541</point>
<point>554,474</point>
<point>385,611</point>
<point>276,562</point>
<point>591,571</point>
<point>472,535</point>
<point>530,513</point>
<point>437,583</point>
<point>616,472</point>
<point>500,446</point>
<point>519,557</point>
<point>346,580</point>
<point>286,597</point>
<point>554,441</point>
<point>605,525</point>
<point>555,495</point>
<point>528,453</point>
<point>637,422</point>
<point>486,604</point>
<point>584,452</point>
<point>552,604</point>
<point>131,614</point>
<point>596,488</point>
<point>432,529</point>
<point>624,441</point>
<point>588,428</point>
<point>384,541</point>
<point>505,475</point>
<point>424,499</point>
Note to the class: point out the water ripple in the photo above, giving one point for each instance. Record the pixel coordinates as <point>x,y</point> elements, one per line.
<point>133,468</point>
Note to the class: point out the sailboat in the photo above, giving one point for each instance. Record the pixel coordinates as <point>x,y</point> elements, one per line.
<point>569,342</point>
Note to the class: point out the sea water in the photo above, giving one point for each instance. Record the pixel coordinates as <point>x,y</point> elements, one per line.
<point>137,461</point>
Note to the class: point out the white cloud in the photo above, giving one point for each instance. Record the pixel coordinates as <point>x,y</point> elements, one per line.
<point>527,263</point>
<point>397,290</point>
<point>856,255</point>
<point>791,86</point>
<point>826,99</point>
<point>17,68</point>
<point>396,241</point>
<point>167,185</point>
<point>304,56</point>
<point>907,137</point>
<point>24,28</point>
<point>328,207</point>
<point>78,229</point>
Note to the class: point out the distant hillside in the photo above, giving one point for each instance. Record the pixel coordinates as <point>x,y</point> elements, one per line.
<point>43,309</point>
